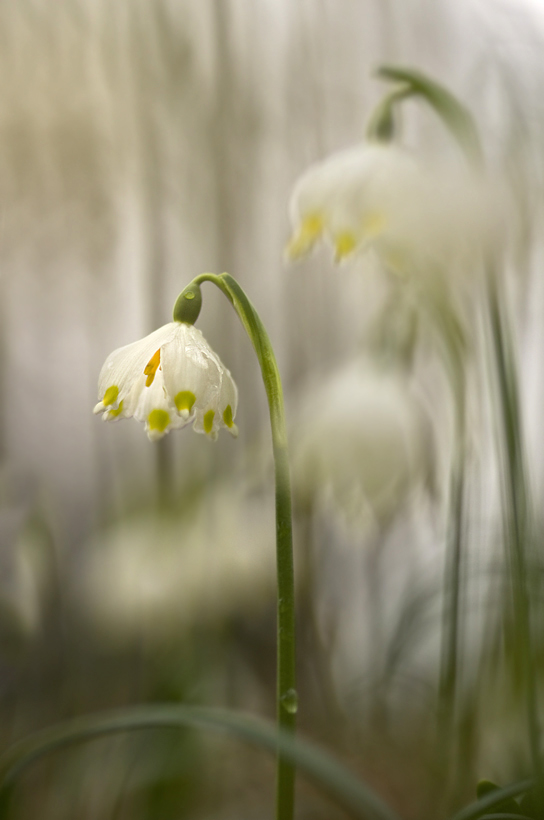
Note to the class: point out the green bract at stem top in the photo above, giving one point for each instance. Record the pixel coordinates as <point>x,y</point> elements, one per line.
<point>381,125</point>
<point>186,309</point>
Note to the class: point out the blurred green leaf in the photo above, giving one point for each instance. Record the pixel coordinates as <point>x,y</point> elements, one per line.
<point>508,806</point>
<point>480,809</point>
<point>528,805</point>
<point>329,775</point>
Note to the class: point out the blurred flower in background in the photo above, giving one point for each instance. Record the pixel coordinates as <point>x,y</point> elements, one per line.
<point>364,443</point>
<point>352,197</point>
<point>430,224</point>
<point>421,217</point>
<point>158,576</point>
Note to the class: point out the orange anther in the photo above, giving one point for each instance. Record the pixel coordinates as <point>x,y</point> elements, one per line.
<point>151,367</point>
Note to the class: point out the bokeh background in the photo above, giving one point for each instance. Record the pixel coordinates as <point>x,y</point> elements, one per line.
<point>143,142</point>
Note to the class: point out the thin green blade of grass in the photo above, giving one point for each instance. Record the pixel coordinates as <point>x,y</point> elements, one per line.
<point>480,809</point>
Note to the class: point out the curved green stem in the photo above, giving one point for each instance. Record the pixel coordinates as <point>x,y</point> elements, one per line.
<point>286,679</point>
<point>331,777</point>
<point>451,111</point>
<point>477,810</point>
<point>381,124</point>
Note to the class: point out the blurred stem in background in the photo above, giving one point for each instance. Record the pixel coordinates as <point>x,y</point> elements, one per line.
<point>187,305</point>
<point>517,525</point>
<point>461,125</point>
<point>451,624</point>
<point>382,127</point>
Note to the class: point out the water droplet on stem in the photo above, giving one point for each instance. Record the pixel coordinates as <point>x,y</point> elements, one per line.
<point>289,701</point>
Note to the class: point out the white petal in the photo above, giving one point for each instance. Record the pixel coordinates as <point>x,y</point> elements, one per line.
<point>125,365</point>
<point>228,403</point>
<point>356,192</point>
<point>190,365</point>
<point>156,410</point>
<point>382,181</point>
<point>132,398</point>
<point>319,185</point>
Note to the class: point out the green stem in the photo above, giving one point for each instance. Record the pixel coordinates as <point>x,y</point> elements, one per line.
<point>286,678</point>
<point>381,124</point>
<point>456,117</point>
<point>516,527</point>
<point>462,126</point>
<point>453,349</point>
<point>449,663</point>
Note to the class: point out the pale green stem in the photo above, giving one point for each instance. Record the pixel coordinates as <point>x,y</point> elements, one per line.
<point>381,124</point>
<point>516,528</point>
<point>453,353</point>
<point>462,126</point>
<point>449,663</point>
<point>455,116</point>
<point>460,123</point>
<point>286,680</point>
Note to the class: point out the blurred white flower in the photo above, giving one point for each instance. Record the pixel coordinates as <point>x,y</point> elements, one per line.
<point>379,196</point>
<point>167,380</point>
<point>160,574</point>
<point>347,197</point>
<point>364,444</point>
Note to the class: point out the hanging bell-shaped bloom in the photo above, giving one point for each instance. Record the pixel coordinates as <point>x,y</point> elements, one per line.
<point>351,198</point>
<point>363,442</point>
<point>415,216</point>
<point>168,380</point>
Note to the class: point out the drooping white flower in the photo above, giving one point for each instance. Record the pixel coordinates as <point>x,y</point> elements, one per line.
<point>168,380</point>
<point>364,443</point>
<point>380,196</point>
<point>350,197</point>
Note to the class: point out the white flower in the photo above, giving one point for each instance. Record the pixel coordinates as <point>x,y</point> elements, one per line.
<point>363,442</point>
<point>349,197</point>
<point>167,380</point>
<point>379,196</point>
<point>137,578</point>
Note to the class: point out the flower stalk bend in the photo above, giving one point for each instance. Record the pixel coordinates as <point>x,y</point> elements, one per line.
<point>286,677</point>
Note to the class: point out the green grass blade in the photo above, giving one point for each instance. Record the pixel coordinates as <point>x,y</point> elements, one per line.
<point>480,808</point>
<point>330,776</point>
